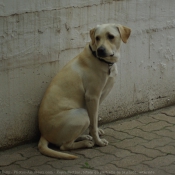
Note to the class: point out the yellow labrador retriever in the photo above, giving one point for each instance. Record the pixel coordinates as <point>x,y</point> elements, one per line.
<point>71,102</point>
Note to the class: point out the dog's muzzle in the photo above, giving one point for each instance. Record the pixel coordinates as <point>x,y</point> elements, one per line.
<point>95,55</point>
<point>101,52</point>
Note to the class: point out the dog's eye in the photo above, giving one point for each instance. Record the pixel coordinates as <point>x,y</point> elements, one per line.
<point>97,38</point>
<point>110,37</point>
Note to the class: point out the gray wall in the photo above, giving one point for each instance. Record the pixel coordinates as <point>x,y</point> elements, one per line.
<point>38,37</point>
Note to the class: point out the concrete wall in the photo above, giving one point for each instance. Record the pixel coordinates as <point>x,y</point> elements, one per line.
<point>38,37</point>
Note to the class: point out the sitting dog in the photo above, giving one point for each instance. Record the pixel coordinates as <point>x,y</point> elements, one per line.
<point>71,102</point>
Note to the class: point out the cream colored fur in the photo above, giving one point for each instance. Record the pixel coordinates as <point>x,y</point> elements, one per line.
<point>71,102</point>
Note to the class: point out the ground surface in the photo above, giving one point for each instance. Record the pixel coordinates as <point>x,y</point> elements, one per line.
<point>144,144</point>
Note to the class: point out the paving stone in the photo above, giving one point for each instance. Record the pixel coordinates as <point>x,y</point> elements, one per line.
<point>10,158</point>
<point>81,170</point>
<point>166,133</point>
<point>12,169</point>
<point>59,164</point>
<point>145,135</point>
<point>146,119</point>
<point>164,117</point>
<point>157,142</point>
<point>111,169</point>
<point>110,139</point>
<point>168,149</point>
<point>143,145</point>
<point>122,136</point>
<point>18,172</point>
<point>117,134</point>
<point>172,144</point>
<point>169,111</point>
<point>44,169</point>
<point>141,168</point>
<point>169,168</point>
<point>159,162</point>
<point>131,160</point>
<point>161,172</point>
<point>152,153</point>
<point>129,142</point>
<point>102,160</point>
<point>34,161</point>
<point>18,149</point>
<point>145,169</point>
<point>154,126</point>
<point>126,125</point>
<point>88,153</point>
<point>122,153</point>
<point>171,128</point>
<point>30,151</point>
<point>62,172</point>
<point>107,149</point>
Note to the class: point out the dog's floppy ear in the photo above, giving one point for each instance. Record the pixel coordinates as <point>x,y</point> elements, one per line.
<point>92,35</point>
<point>124,32</point>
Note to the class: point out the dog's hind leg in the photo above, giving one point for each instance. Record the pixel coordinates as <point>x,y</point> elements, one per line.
<point>75,122</point>
<point>77,145</point>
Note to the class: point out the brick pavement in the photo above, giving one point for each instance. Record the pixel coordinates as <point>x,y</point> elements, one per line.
<point>144,144</point>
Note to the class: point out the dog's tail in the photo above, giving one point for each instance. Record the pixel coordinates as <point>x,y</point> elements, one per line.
<point>45,150</point>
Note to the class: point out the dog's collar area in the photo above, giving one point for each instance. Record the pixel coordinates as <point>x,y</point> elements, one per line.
<point>95,55</point>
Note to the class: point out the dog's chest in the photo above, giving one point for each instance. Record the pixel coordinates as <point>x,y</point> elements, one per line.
<point>111,79</point>
<point>113,70</point>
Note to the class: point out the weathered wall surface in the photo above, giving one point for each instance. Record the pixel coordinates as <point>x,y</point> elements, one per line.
<point>38,37</point>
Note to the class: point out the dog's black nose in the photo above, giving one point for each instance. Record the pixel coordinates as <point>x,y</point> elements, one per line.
<point>101,51</point>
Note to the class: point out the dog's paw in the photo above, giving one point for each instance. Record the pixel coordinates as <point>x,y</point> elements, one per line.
<point>84,137</point>
<point>102,142</point>
<point>100,132</point>
<point>87,137</point>
<point>89,144</point>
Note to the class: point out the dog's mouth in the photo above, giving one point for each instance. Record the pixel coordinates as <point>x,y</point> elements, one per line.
<point>105,55</point>
<point>113,58</point>
<point>111,55</point>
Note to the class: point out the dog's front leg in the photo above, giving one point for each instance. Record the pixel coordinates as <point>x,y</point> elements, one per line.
<point>92,104</point>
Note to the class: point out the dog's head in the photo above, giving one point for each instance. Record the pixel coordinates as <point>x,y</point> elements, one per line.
<point>106,40</point>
